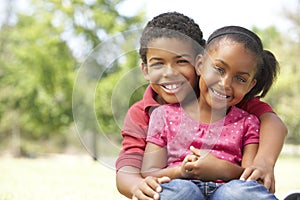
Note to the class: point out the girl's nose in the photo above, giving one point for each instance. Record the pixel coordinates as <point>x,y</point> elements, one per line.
<point>226,81</point>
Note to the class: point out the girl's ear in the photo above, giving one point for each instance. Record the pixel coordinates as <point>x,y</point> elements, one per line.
<point>252,84</point>
<point>145,71</point>
<point>199,64</point>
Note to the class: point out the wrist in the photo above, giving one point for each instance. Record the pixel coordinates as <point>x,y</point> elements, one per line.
<point>233,171</point>
<point>263,161</point>
<point>178,172</point>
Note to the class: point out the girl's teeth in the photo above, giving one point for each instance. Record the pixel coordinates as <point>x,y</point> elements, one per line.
<point>218,94</point>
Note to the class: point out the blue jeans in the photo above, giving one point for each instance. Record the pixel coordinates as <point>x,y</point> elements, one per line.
<point>197,190</point>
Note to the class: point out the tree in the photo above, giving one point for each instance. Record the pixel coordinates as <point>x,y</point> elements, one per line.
<point>40,55</point>
<point>284,96</point>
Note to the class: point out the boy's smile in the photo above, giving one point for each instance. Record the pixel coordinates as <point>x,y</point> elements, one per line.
<point>170,69</point>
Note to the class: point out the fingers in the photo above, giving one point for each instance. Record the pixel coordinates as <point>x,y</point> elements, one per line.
<point>147,189</point>
<point>251,174</point>
<point>246,174</point>
<point>272,187</point>
<point>134,198</point>
<point>153,185</point>
<point>163,179</point>
<point>192,158</point>
<point>269,183</point>
<point>189,167</point>
<point>140,196</point>
<point>190,162</point>
<point>195,151</point>
<point>158,188</point>
<point>255,175</point>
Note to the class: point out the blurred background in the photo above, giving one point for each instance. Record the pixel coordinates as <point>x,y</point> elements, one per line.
<point>69,71</point>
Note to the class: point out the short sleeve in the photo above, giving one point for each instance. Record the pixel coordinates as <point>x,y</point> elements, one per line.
<point>252,125</point>
<point>134,132</point>
<point>256,107</point>
<point>156,131</point>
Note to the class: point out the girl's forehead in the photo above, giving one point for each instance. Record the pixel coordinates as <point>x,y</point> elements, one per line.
<point>221,42</point>
<point>234,54</point>
<point>227,45</point>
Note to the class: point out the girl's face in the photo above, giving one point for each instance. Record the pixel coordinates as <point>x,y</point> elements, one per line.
<point>170,69</point>
<point>226,74</point>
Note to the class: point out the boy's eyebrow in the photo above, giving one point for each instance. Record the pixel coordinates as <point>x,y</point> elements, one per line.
<point>177,56</point>
<point>183,55</point>
<point>154,58</point>
<point>224,63</point>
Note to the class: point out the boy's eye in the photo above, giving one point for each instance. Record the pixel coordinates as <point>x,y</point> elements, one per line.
<point>157,64</point>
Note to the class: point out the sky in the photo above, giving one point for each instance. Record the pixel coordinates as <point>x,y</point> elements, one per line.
<point>209,14</point>
<point>213,14</point>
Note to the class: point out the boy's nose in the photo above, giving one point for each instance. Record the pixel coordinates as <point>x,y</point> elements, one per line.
<point>169,71</point>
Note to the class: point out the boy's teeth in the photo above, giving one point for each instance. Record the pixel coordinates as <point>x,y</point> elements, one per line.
<point>171,87</point>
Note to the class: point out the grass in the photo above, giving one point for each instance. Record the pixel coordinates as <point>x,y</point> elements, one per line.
<point>287,175</point>
<point>80,178</point>
<point>59,178</point>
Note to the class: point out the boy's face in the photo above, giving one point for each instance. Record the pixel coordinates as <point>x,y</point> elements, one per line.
<point>227,74</point>
<point>170,69</point>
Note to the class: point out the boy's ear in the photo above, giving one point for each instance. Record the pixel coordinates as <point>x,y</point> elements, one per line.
<point>199,64</point>
<point>145,71</point>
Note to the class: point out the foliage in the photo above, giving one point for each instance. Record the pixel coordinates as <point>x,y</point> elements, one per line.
<point>43,64</point>
<point>285,95</point>
<point>39,58</point>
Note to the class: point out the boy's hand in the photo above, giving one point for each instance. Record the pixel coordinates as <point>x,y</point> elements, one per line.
<point>149,188</point>
<point>260,171</point>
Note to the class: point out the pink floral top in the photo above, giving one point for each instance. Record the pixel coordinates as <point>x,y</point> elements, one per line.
<point>172,127</point>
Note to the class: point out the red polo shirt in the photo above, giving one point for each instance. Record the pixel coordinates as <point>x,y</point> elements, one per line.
<point>136,122</point>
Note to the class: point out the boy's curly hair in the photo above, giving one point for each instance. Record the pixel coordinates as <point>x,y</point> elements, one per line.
<point>171,25</point>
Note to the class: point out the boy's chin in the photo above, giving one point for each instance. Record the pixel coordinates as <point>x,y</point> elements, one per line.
<point>171,99</point>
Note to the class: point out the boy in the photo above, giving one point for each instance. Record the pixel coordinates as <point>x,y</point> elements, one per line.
<point>129,180</point>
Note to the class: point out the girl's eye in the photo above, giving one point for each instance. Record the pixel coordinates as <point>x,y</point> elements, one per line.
<point>183,62</point>
<point>241,79</point>
<point>219,70</point>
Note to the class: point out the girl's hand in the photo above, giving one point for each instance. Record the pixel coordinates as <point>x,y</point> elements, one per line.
<point>187,172</point>
<point>210,168</point>
<point>149,188</point>
<point>203,168</point>
<point>260,171</point>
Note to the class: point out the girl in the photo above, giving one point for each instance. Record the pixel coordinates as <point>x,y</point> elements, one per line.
<point>234,69</point>
<point>175,27</point>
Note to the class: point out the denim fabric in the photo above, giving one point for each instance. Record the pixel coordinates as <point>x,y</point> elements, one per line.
<point>179,189</point>
<point>246,190</point>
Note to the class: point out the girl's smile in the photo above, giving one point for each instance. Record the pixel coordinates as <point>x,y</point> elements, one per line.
<point>227,74</point>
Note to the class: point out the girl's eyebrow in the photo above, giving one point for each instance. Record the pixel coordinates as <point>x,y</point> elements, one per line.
<point>241,73</point>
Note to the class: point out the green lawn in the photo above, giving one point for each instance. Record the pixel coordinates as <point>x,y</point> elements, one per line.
<point>63,178</point>
<point>79,178</point>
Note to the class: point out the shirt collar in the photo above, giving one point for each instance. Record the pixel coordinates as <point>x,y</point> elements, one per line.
<point>149,100</point>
